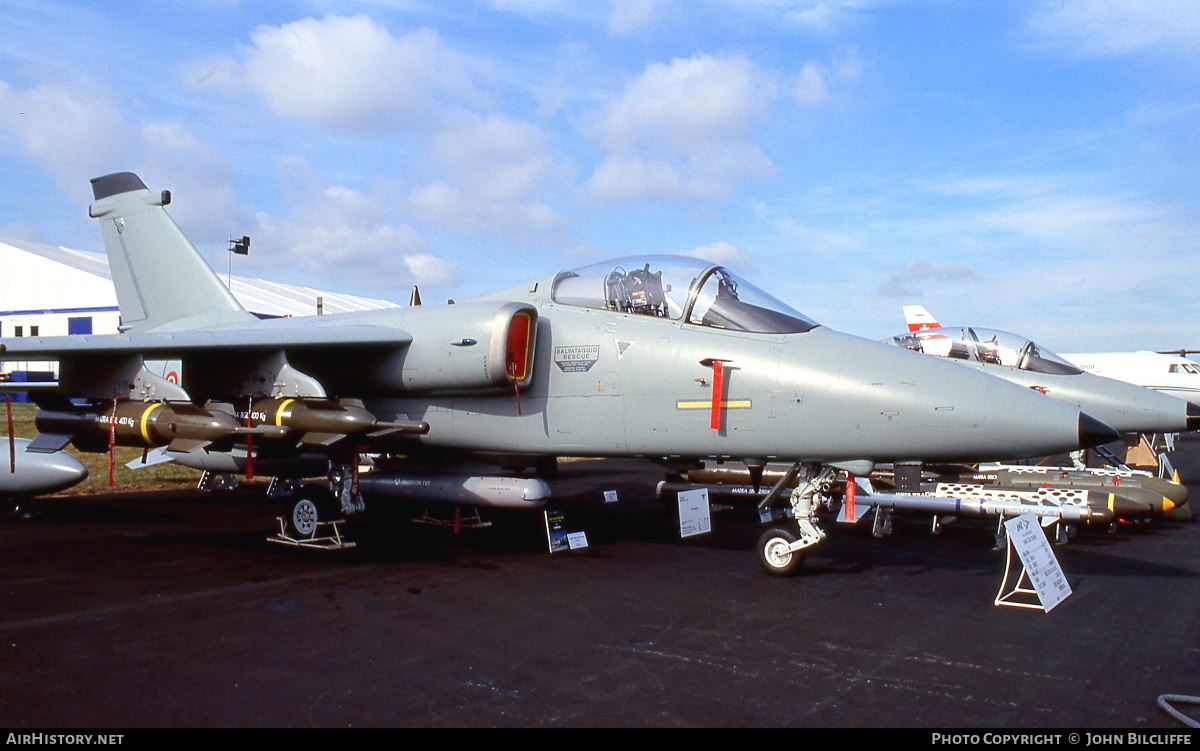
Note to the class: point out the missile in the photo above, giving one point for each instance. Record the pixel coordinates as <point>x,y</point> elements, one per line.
<point>474,490</point>
<point>1126,498</point>
<point>963,505</point>
<point>37,473</point>
<point>1077,504</point>
<point>144,424</point>
<point>1160,495</point>
<point>1081,506</point>
<point>324,421</point>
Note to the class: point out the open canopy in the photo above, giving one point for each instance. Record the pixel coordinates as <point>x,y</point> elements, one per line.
<point>678,288</point>
<point>986,346</point>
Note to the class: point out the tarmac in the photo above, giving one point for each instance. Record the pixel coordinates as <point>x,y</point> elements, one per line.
<point>140,610</point>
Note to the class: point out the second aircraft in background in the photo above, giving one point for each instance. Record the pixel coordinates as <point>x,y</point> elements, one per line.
<point>1127,407</point>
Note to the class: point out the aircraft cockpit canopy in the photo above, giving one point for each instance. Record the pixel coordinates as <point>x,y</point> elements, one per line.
<point>987,346</point>
<point>681,289</point>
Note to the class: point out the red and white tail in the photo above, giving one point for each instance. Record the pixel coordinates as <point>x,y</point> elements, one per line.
<point>919,319</point>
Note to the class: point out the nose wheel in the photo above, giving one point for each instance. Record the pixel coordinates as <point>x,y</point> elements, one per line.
<point>780,545</point>
<point>777,551</point>
<point>310,508</point>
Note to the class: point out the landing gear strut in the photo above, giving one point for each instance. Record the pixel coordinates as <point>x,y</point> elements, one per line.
<point>780,546</point>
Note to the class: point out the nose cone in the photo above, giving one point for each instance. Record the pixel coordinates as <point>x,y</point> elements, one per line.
<point>1092,432</point>
<point>891,404</point>
<point>1126,407</point>
<point>39,473</point>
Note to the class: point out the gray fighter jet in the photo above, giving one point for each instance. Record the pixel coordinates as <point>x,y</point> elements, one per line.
<point>666,358</point>
<point>1125,407</point>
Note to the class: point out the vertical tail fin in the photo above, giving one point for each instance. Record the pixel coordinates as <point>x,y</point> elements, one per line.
<point>160,278</point>
<point>919,319</point>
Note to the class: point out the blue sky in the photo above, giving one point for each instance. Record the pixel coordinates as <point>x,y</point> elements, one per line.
<point>1025,165</point>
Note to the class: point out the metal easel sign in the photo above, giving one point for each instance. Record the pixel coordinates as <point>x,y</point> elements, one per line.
<point>1038,566</point>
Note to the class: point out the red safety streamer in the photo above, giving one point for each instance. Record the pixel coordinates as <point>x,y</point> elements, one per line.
<point>12,436</point>
<point>512,374</point>
<point>112,447</point>
<point>718,393</point>
<point>849,496</point>
<point>249,439</point>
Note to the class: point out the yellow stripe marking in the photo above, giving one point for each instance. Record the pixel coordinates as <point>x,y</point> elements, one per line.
<point>729,404</point>
<point>145,423</point>
<point>279,412</point>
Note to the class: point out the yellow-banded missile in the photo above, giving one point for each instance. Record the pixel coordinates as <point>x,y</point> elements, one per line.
<point>143,424</point>
<point>1160,494</point>
<point>324,421</point>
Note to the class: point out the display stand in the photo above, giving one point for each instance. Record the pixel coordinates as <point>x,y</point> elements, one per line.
<point>327,536</point>
<point>1019,594</point>
<point>1035,572</point>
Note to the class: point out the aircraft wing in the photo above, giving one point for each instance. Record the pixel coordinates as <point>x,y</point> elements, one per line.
<point>181,344</point>
<point>253,359</point>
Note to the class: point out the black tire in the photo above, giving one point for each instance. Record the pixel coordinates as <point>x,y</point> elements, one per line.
<point>773,554</point>
<point>309,507</point>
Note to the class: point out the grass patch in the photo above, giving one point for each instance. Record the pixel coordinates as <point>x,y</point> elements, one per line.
<point>166,476</point>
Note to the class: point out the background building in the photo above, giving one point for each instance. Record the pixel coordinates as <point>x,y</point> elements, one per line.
<point>48,290</point>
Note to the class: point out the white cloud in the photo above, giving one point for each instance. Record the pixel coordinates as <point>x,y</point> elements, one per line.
<point>338,232</point>
<point>73,130</point>
<point>501,157</point>
<point>687,102</point>
<point>1098,28</point>
<point>427,268</point>
<point>350,73</point>
<point>912,279</point>
<point>723,253</point>
<point>1061,214</point>
<point>490,173</point>
<point>77,132</point>
<point>810,84</point>
<point>632,15</point>
<point>814,80</point>
<point>682,130</point>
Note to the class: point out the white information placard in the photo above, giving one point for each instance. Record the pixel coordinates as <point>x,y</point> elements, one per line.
<point>694,515</point>
<point>1027,538</point>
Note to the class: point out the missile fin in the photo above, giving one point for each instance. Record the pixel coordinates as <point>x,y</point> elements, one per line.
<point>184,445</point>
<point>321,439</point>
<point>48,443</point>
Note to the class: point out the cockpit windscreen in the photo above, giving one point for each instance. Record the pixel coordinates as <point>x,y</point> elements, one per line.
<point>987,346</point>
<point>681,289</point>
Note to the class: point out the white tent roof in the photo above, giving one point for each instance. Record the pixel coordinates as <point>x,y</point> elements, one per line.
<point>49,278</point>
